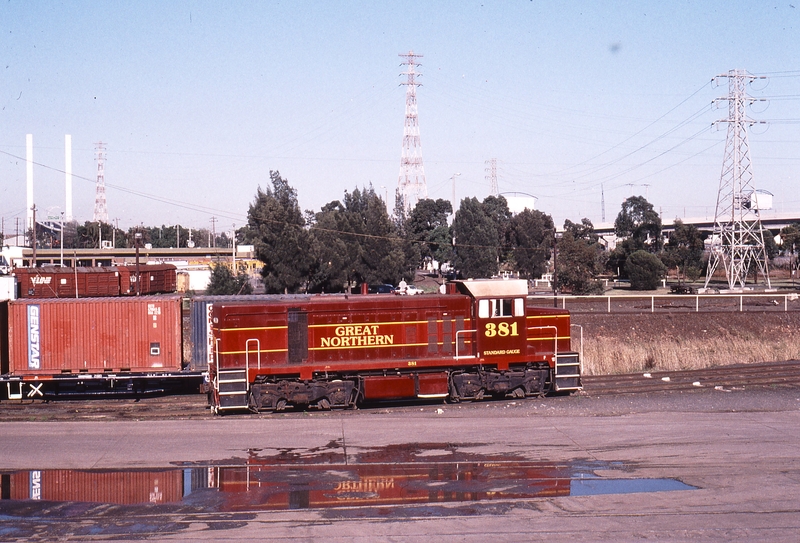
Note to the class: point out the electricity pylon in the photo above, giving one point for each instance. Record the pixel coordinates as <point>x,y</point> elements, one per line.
<point>411,185</point>
<point>100,209</point>
<point>738,239</point>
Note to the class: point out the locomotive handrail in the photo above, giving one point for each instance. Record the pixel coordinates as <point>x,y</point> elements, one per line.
<point>216,364</point>
<point>580,344</point>
<point>464,332</point>
<point>247,353</point>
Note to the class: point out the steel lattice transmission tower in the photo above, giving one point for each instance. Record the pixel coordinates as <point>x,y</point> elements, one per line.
<point>491,169</point>
<point>411,185</point>
<point>738,239</point>
<point>100,209</point>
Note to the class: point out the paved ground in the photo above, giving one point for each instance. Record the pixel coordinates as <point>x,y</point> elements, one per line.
<point>740,449</point>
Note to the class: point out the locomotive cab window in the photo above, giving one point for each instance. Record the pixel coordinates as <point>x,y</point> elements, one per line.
<point>501,308</point>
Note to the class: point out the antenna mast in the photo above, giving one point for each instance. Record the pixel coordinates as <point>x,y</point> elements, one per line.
<point>738,239</point>
<point>411,185</point>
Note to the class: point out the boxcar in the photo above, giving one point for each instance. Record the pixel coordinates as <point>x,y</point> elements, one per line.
<point>87,282</point>
<point>59,282</point>
<point>153,279</point>
<point>478,340</point>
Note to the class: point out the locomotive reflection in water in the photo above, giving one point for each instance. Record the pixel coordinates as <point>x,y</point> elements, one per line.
<point>270,353</point>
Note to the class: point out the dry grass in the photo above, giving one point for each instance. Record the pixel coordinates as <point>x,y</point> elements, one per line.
<point>607,356</point>
<point>690,341</point>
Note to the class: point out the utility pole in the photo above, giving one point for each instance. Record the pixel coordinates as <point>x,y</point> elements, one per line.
<point>492,177</point>
<point>213,241</point>
<point>738,238</point>
<point>412,185</point>
<point>61,243</point>
<point>33,235</point>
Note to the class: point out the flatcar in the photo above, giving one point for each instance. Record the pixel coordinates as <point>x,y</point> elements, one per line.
<point>480,339</point>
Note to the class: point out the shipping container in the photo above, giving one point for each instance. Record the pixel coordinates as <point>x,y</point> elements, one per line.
<point>50,337</point>
<point>201,339</point>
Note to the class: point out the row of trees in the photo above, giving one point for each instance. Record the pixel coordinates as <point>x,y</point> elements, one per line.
<point>354,240</point>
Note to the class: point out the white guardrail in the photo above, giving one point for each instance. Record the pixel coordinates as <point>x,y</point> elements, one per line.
<point>626,303</point>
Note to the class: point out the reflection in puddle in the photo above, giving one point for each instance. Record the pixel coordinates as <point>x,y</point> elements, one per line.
<point>319,480</point>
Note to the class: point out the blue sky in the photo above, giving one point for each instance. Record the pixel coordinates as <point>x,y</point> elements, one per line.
<point>198,101</point>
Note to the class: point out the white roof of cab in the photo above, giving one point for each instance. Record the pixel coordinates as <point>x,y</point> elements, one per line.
<point>496,288</point>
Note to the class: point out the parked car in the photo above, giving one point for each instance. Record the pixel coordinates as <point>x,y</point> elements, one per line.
<point>381,289</point>
<point>410,290</point>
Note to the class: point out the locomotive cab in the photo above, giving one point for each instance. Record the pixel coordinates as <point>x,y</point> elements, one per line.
<point>500,325</point>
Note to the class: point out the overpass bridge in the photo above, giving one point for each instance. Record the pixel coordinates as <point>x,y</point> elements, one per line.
<point>773,221</point>
<point>110,257</point>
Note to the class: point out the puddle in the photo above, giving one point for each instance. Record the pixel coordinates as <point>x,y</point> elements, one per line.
<point>326,478</point>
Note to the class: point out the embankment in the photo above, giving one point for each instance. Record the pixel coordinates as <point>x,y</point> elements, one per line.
<point>628,343</point>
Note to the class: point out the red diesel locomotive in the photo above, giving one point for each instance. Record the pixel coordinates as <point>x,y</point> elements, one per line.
<point>480,339</point>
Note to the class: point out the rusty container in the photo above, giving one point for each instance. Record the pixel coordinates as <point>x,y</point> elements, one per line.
<point>94,335</point>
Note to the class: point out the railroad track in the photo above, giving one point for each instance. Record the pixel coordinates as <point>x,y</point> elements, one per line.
<point>194,406</point>
<point>770,374</point>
